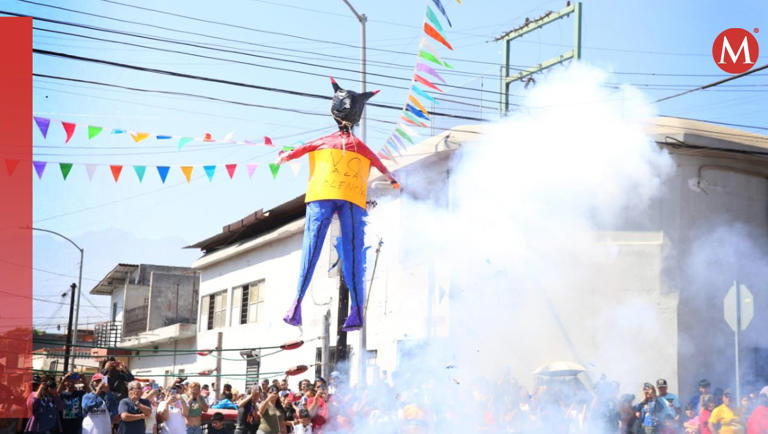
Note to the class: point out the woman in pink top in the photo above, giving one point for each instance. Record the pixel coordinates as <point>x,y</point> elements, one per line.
<point>707,405</point>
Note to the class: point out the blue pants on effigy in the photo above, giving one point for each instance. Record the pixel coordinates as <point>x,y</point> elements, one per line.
<point>351,219</point>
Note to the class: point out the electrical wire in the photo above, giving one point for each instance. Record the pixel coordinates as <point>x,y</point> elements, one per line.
<point>227,82</point>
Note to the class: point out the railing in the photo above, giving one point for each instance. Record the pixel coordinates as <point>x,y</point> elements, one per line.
<point>107,334</point>
<point>135,321</point>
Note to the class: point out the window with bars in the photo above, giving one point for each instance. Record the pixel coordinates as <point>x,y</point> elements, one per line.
<point>213,311</point>
<point>246,303</point>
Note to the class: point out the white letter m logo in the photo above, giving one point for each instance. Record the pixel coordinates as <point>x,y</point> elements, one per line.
<point>727,46</point>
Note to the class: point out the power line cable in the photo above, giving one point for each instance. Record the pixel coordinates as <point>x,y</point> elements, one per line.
<point>227,82</point>
<point>716,83</point>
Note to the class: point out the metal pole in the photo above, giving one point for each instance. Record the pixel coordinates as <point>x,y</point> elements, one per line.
<point>363,19</point>
<point>736,343</point>
<point>79,276</point>
<point>326,369</point>
<point>68,346</point>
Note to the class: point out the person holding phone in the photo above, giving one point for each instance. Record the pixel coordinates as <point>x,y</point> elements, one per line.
<point>45,410</point>
<point>72,416</point>
<point>247,417</point>
<point>99,407</point>
<point>272,414</point>
<point>197,406</point>
<point>173,411</point>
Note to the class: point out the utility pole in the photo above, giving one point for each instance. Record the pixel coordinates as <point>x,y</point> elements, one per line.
<point>326,362</point>
<point>363,19</point>
<point>68,346</point>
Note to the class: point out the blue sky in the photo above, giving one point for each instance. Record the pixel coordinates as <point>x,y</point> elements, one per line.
<point>660,47</point>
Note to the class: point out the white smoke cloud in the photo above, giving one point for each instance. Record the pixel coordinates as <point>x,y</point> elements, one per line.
<point>525,247</point>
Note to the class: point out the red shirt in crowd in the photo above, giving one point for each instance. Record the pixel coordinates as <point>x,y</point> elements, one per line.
<point>758,421</point>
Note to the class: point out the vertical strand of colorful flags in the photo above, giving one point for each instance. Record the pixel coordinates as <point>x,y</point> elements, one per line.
<point>415,114</point>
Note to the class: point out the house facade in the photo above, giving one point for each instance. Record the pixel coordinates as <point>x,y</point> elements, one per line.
<point>153,319</point>
<point>248,278</point>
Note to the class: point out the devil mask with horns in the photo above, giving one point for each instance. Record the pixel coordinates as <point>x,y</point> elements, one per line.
<point>339,166</point>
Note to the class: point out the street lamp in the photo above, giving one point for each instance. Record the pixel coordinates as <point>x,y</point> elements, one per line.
<point>79,280</point>
<point>363,19</point>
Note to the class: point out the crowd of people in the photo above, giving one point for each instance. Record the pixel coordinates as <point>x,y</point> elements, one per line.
<point>112,401</point>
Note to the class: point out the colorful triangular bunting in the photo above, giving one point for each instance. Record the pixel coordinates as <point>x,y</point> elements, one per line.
<point>442,11</point>
<point>183,141</point>
<point>163,172</point>
<point>251,168</point>
<point>417,104</point>
<point>209,171</point>
<point>434,34</point>
<point>426,82</point>
<point>90,169</point>
<point>65,169</point>
<point>116,169</point>
<point>159,137</point>
<point>231,169</point>
<point>39,168</point>
<point>268,141</point>
<point>137,137</point>
<point>429,70</point>
<point>140,170</point>
<point>187,171</point>
<point>423,94</point>
<point>69,128</point>
<point>43,124</point>
<point>93,131</point>
<point>274,168</point>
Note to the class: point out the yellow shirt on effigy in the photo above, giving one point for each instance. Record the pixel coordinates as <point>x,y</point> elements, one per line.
<point>728,420</point>
<point>338,174</point>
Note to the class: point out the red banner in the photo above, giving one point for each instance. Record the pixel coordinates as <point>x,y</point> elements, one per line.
<point>16,217</point>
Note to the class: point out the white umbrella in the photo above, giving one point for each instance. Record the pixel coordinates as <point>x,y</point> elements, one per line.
<point>559,369</point>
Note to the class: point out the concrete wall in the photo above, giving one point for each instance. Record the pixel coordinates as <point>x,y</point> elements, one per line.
<point>173,298</point>
<point>154,365</point>
<point>717,209</point>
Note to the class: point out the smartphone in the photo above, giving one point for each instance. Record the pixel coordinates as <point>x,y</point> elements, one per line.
<point>155,386</point>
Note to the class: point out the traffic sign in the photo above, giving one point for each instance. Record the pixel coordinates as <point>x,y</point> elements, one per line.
<point>746,305</point>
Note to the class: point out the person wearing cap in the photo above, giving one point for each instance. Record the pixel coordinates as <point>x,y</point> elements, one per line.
<point>725,419</point>
<point>652,410</point>
<point>704,389</point>
<point>99,407</point>
<point>662,387</point>
<point>758,420</point>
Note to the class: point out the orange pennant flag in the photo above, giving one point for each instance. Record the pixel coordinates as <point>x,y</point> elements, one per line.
<point>208,138</point>
<point>137,137</point>
<point>434,34</point>
<point>416,102</point>
<point>187,172</point>
<point>116,169</point>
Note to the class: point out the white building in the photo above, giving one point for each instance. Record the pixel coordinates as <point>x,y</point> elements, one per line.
<point>248,276</point>
<point>154,310</point>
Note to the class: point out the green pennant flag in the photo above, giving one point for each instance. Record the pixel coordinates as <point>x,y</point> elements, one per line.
<point>183,141</point>
<point>140,172</point>
<point>65,168</point>
<point>288,148</point>
<point>93,131</point>
<point>274,168</point>
<point>402,134</point>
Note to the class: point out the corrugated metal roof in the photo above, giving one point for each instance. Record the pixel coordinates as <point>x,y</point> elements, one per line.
<point>114,279</point>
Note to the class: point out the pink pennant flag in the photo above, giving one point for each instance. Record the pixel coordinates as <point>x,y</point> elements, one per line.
<point>69,128</point>
<point>429,70</point>
<point>251,169</point>
<point>268,141</point>
<point>91,169</point>
<point>231,169</point>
